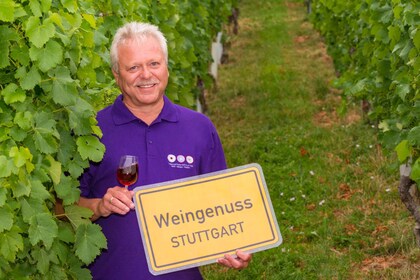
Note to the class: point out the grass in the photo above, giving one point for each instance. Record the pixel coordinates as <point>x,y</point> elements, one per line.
<point>333,188</point>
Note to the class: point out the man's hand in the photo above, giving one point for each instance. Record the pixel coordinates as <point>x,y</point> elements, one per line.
<point>240,262</point>
<point>116,200</point>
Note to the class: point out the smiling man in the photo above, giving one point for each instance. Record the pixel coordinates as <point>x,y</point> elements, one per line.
<point>170,141</point>
<point>140,69</point>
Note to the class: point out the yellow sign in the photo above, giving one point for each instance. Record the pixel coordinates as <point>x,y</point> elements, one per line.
<point>194,221</point>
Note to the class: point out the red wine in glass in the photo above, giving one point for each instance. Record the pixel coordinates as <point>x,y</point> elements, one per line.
<point>128,170</point>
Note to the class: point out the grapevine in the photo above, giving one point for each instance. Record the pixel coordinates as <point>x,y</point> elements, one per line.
<point>54,76</point>
<point>375,45</point>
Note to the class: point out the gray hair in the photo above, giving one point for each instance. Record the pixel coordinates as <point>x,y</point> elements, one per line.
<point>138,31</point>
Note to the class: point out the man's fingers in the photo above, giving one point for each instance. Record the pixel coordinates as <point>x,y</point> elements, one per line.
<point>240,262</point>
<point>118,207</point>
<point>123,195</point>
<point>119,200</point>
<point>246,257</point>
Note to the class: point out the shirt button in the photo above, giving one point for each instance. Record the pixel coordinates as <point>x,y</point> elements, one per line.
<point>150,141</point>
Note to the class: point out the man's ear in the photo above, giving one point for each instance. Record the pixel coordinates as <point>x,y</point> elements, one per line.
<point>116,75</point>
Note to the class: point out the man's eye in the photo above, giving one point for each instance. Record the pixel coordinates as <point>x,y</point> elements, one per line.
<point>154,63</point>
<point>132,68</point>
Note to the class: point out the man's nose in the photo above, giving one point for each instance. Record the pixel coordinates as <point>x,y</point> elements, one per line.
<point>145,73</point>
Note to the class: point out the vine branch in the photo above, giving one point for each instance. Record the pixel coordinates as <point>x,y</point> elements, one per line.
<point>410,196</point>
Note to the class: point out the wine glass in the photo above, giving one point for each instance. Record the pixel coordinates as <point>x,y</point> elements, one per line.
<point>128,170</point>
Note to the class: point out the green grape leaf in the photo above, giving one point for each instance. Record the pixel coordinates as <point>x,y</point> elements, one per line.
<point>64,89</point>
<point>4,53</point>
<point>45,142</point>
<point>75,169</point>
<point>44,259</point>
<point>70,5</point>
<point>414,136</point>
<point>78,272</point>
<point>89,242</point>
<point>30,79</point>
<point>90,19</point>
<point>38,191</point>
<point>403,48</point>
<point>24,120</point>
<point>66,233</point>
<point>57,20</point>
<point>46,5</point>
<point>43,229</point>
<point>6,219</point>
<point>20,155</point>
<point>35,7</point>
<point>411,15</point>
<point>6,167</point>
<point>397,11</point>
<point>40,173</point>
<point>18,134</point>
<point>394,34</point>
<point>358,87</point>
<point>78,215</point>
<point>64,188</point>
<point>415,171</point>
<point>76,268</point>
<point>380,33</point>
<point>12,94</point>
<point>88,40</point>
<point>48,57</point>
<point>403,150</point>
<point>74,194</point>
<point>38,33</point>
<point>100,38</point>
<point>20,12</point>
<point>78,122</point>
<point>55,170</point>
<point>31,207</point>
<point>45,121</point>
<point>74,55</point>
<point>7,10</point>
<point>57,272</point>
<point>21,55</point>
<point>67,150</point>
<point>22,187</point>
<point>87,74</point>
<point>386,14</point>
<point>45,134</point>
<point>416,39</point>
<point>71,22</point>
<point>96,129</point>
<point>10,243</point>
<point>3,194</point>
<point>402,90</point>
<point>61,249</point>
<point>68,190</point>
<point>90,147</point>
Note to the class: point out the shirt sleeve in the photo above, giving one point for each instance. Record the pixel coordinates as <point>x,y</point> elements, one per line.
<point>85,183</point>
<point>216,160</point>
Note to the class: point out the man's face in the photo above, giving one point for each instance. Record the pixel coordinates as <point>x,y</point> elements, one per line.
<point>143,73</point>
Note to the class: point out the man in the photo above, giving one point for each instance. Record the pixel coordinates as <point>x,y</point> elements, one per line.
<point>145,123</point>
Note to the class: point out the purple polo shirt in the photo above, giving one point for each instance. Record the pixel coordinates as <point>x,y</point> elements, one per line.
<point>179,143</point>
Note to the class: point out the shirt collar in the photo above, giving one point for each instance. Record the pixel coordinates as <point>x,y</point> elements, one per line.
<point>121,114</point>
<point>169,112</point>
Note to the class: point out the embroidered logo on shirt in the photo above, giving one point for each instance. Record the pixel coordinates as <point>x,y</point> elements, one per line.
<point>180,158</point>
<point>171,158</point>
<point>180,161</point>
<point>190,159</point>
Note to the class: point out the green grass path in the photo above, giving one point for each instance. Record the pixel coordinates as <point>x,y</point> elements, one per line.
<point>333,188</point>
